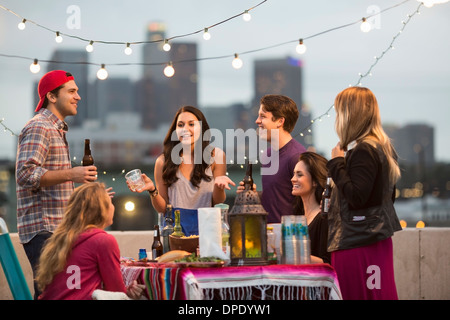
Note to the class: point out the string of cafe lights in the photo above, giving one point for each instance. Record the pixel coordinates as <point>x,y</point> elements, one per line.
<point>102,74</point>
<point>367,73</point>
<point>327,112</point>
<point>169,69</point>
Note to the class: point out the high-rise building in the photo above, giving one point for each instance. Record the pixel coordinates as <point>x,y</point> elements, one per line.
<point>75,62</point>
<point>113,95</point>
<point>283,76</point>
<point>153,52</point>
<point>159,96</point>
<point>414,143</point>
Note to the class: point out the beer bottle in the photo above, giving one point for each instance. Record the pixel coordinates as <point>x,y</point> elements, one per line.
<point>248,179</point>
<point>326,196</point>
<point>168,228</point>
<point>157,247</point>
<point>87,158</point>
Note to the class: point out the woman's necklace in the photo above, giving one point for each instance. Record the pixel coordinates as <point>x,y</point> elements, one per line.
<point>311,214</point>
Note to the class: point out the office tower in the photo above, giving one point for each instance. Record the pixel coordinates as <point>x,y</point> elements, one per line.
<point>115,95</point>
<point>183,85</point>
<point>154,54</point>
<point>79,69</point>
<point>414,143</point>
<point>283,76</point>
<point>159,96</point>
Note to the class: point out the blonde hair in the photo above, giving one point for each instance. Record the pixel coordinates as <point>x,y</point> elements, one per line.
<point>358,119</point>
<point>87,208</point>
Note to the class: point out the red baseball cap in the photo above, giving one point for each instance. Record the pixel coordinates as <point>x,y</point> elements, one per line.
<point>50,81</point>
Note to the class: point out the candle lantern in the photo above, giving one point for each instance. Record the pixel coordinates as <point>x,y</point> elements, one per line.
<point>248,226</point>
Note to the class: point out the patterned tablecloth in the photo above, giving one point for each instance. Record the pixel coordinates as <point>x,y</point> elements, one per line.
<point>271,282</point>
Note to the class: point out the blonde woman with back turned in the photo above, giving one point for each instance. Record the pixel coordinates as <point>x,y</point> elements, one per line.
<point>362,218</point>
<point>80,256</point>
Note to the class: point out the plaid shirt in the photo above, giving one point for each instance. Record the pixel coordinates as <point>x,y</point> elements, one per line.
<point>42,147</point>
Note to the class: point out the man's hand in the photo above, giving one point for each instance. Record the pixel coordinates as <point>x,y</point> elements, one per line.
<point>84,174</point>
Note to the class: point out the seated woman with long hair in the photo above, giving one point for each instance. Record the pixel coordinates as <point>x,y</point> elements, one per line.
<point>308,182</point>
<point>80,256</point>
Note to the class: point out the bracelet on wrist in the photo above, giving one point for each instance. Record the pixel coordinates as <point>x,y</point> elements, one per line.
<point>153,193</point>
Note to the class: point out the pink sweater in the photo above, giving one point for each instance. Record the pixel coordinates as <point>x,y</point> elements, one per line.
<point>93,264</point>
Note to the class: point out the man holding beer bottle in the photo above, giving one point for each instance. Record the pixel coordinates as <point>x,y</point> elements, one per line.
<point>44,174</point>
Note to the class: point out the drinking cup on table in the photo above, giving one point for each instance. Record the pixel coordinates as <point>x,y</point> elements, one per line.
<point>134,178</point>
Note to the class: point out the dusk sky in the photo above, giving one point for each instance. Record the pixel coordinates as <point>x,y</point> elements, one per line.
<point>411,82</point>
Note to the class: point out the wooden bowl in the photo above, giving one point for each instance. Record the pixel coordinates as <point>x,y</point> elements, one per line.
<point>189,244</point>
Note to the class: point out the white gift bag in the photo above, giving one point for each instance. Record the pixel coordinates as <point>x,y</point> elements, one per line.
<point>210,233</point>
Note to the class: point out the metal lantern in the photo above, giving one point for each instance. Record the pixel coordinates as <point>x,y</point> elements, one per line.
<point>248,227</point>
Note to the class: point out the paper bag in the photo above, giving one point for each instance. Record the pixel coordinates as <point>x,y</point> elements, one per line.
<point>210,233</point>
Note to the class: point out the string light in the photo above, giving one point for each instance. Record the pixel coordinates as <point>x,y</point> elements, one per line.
<point>166,46</point>
<point>58,38</point>
<point>128,50</point>
<point>22,25</point>
<point>6,129</point>
<point>102,74</point>
<point>206,34</point>
<point>369,71</point>
<point>237,62</point>
<point>246,16</point>
<point>35,67</point>
<point>169,71</point>
<point>139,42</point>
<point>199,59</point>
<point>365,25</point>
<point>90,46</point>
<point>430,3</point>
<point>301,48</point>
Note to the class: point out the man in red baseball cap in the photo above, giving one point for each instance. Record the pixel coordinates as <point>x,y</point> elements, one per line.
<point>49,88</point>
<point>44,174</point>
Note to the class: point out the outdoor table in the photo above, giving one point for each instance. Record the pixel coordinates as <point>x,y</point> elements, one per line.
<point>269,282</point>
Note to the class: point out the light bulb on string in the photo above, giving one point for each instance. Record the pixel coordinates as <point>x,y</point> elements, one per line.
<point>246,16</point>
<point>90,46</point>
<point>206,34</point>
<point>128,50</point>
<point>35,67</point>
<point>169,71</point>
<point>430,3</point>
<point>58,38</point>
<point>301,48</point>
<point>427,3</point>
<point>102,74</point>
<point>237,62</point>
<point>365,25</point>
<point>166,46</point>
<point>22,25</point>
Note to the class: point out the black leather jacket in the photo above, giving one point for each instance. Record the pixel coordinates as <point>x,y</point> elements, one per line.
<point>362,203</point>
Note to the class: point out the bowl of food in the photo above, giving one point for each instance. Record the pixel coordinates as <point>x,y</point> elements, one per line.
<point>189,243</point>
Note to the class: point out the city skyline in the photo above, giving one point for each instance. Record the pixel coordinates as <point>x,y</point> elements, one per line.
<point>411,82</point>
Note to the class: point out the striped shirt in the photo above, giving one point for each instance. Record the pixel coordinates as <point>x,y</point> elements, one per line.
<point>42,147</point>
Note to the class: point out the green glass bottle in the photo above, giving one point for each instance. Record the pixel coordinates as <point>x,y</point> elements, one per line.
<point>177,231</point>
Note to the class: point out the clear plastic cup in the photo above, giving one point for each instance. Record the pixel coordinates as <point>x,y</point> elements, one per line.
<point>134,178</point>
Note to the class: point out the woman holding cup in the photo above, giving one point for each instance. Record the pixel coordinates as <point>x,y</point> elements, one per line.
<point>190,174</point>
